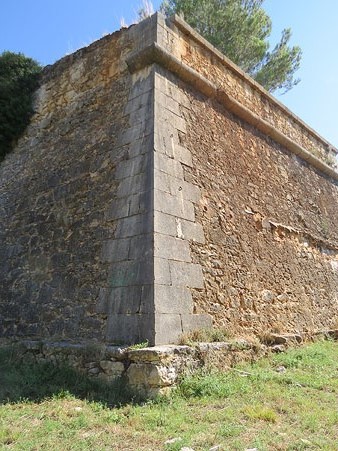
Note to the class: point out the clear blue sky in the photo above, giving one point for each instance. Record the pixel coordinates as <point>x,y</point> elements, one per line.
<point>49,29</point>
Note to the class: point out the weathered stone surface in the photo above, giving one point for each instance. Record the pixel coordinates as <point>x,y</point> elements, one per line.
<point>281,339</point>
<point>160,354</point>
<point>207,61</point>
<point>168,247</point>
<point>132,167</point>
<point>167,102</point>
<point>58,182</point>
<point>116,352</point>
<point>133,225</point>
<point>177,227</point>
<point>151,370</point>
<point>190,230</point>
<point>132,185</point>
<point>131,272</point>
<point>168,165</point>
<point>110,368</point>
<point>168,328</point>
<point>195,322</point>
<point>264,262</point>
<point>176,186</point>
<point>115,250</point>
<point>161,271</point>
<point>183,155</point>
<point>129,328</point>
<point>151,375</point>
<point>186,274</point>
<point>170,299</point>
<point>130,299</point>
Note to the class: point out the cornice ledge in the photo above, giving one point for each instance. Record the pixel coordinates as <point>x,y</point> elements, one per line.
<point>156,54</point>
<point>185,28</point>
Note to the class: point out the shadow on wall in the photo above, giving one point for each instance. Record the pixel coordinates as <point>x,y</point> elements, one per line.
<point>23,378</point>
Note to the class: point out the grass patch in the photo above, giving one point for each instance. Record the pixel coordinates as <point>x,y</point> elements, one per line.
<point>286,402</point>
<point>261,412</point>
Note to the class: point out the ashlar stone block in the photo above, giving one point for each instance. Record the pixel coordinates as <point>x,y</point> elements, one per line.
<point>190,230</point>
<point>131,167</point>
<point>176,187</point>
<point>127,328</point>
<point>186,274</point>
<point>170,248</point>
<point>154,216</point>
<point>178,227</point>
<point>132,185</point>
<point>183,155</point>
<point>168,328</point>
<point>135,132</point>
<point>170,299</point>
<point>168,165</point>
<point>161,271</point>
<point>133,225</point>
<point>132,272</point>
<point>166,102</point>
<point>141,247</point>
<point>168,119</point>
<point>140,100</point>
<point>165,224</point>
<point>174,205</point>
<point>115,250</point>
<point>137,299</point>
<point>168,87</point>
<point>196,322</point>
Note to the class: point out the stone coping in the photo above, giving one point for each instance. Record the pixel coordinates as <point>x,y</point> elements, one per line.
<point>189,31</point>
<point>156,54</point>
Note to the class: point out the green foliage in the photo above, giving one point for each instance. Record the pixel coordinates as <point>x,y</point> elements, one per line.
<point>240,29</point>
<point>142,345</point>
<point>261,412</point>
<point>18,80</point>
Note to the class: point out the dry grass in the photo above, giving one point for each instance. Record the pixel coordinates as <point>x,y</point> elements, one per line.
<point>204,336</point>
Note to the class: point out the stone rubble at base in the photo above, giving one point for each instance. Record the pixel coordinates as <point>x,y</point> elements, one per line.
<point>156,370</point>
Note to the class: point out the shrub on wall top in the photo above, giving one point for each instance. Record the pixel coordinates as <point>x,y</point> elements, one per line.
<point>19,78</point>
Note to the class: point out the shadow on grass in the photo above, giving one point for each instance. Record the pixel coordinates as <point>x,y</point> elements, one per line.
<point>23,379</point>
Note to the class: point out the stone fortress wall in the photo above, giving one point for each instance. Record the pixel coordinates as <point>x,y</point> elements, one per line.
<point>158,189</point>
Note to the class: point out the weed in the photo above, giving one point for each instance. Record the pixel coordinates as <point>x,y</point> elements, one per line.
<point>204,335</point>
<point>142,345</point>
<point>230,430</point>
